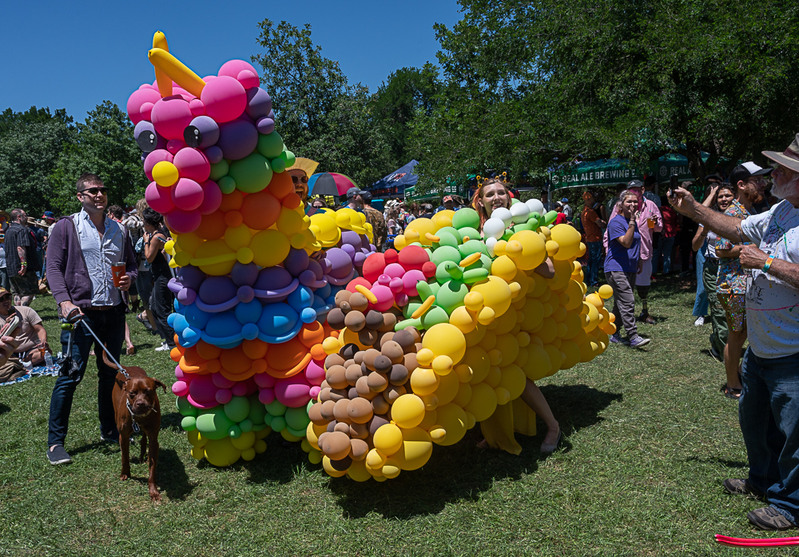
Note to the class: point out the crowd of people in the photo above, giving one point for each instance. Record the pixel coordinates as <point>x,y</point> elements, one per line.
<point>742,240</point>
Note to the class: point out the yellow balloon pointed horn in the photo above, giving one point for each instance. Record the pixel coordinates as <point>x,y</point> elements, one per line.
<point>163,80</point>
<point>177,70</point>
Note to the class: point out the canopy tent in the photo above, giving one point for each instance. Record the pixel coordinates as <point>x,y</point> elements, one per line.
<point>609,172</point>
<point>450,189</point>
<point>603,172</point>
<point>395,183</point>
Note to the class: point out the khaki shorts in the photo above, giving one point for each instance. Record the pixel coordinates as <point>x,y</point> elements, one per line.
<point>735,307</point>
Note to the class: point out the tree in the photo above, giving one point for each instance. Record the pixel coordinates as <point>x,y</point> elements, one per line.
<point>624,78</point>
<point>30,145</point>
<point>408,94</point>
<point>303,84</point>
<point>103,145</point>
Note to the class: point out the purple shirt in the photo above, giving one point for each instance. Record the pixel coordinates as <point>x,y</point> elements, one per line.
<point>67,273</point>
<point>620,258</point>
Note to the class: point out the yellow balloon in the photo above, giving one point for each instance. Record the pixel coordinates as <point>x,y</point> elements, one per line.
<point>165,174</point>
<point>483,402</point>
<point>416,449</point>
<point>452,420</point>
<point>568,239</point>
<point>527,249</point>
<point>424,381</point>
<point>445,340</point>
<point>329,468</point>
<point>605,291</point>
<point>407,411</point>
<point>388,439</point>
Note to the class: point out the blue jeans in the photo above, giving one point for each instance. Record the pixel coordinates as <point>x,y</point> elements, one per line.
<point>768,411</point>
<point>666,247</point>
<point>109,326</point>
<point>594,258</point>
<point>700,302</point>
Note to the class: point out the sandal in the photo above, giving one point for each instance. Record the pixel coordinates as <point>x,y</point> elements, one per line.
<point>729,392</point>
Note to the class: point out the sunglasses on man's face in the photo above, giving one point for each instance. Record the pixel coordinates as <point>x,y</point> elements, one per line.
<point>298,179</point>
<point>94,191</point>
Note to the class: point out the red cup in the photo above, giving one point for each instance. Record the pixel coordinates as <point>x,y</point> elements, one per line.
<point>117,272</point>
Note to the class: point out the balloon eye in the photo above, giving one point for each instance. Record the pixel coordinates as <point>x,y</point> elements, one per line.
<point>145,136</point>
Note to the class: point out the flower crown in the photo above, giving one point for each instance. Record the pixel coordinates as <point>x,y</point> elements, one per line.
<point>501,177</point>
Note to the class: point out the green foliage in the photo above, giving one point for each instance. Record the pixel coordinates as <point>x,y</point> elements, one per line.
<point>30,145</point>
<point>541,82</point>
<point>104,146</point>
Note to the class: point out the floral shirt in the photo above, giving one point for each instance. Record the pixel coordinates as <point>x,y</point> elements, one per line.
<point>732,276</point>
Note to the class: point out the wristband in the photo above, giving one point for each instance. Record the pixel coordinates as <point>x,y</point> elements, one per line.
<point>23,264</point>
<point>767,264</point>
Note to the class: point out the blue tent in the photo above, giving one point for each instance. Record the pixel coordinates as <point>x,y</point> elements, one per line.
<point>395,183</point>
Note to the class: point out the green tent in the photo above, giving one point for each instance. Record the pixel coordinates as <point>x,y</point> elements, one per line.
<point>603,172</point>
<point>450,189</point>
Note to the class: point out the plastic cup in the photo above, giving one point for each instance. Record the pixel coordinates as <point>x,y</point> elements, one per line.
<point>650,222</point>
<point>117,272</point>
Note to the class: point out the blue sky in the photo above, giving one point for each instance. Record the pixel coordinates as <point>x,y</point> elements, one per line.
<point>74,55</point>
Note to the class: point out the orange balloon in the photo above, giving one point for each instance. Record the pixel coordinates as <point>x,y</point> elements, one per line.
<point>281,185</point>
<point>260,211</point>
<point>211,226</point>
<point>231,201</point>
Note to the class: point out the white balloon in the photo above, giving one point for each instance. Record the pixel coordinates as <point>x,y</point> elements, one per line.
<point>490,243</point>
<point>503,214</point>
<point>493,228</point>
<point>520,212</point>
<point>536,206</point>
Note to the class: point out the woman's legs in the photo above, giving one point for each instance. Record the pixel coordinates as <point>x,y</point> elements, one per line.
<point>534,398</point>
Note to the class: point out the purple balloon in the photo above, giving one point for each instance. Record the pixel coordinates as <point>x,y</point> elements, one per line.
<point>296,261</point>
<point>244,274</point>
<point>258,103</point>
<point>216,290</point>
<point>237,139</point>
<point>265,125</point>
<point>202,132</point>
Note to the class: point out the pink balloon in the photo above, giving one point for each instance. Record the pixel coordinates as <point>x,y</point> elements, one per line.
<point>160,199</point>
<point>193,164</point>
<point>153,158</point>
<point>264,380</point>
<point>225,99</point>
<point>202,392</point>
<point>144,94</point>
<point>175,145</point>
<point>170,117</point>
<point>242,71</point>
<point>187,194</point>
<point>212,198</point>
<point>385,297</point>
<point>182,222</point>
<point>392,269</point>
<point>410,280</point>
<point>180,388</point>
<point>315,372</point>
<point>223,396</point>
<point>293,392</point>
<point>197,107</point>
<point>266,395</point>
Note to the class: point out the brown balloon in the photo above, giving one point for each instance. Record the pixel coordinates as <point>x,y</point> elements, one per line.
<point>377,382</point>
<point>359,431</point>
<point>359,411</point>
<point>340,410</point>
<point>336,377</point>
<point>355,321</point>
<point>326,410</point>
<point>342,464</point>
<point>382,364</point>
<point>376,422</point>
<point>393,351</point>
<point>374,319</point>
<point>358,301</point>
<point>398,375</point>
<point>315,414</point>
<point>335,445</point>
<point>335,318</point>
<point>358,449</point>
<point>333,360</point>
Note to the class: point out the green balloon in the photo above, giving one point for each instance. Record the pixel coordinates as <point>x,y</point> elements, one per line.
<point>297,419</point>
<point>278,423</point>
<point>446,253</point>
<point>227,184</point>
<point>238,408</point>
<point>296,432</point>
<point>234,432</point>
<point>550,217</point>
<point>257,411</point>
<point>214,424</point>
<point>278,165</point>
<point>188,423</point>
<point>451,295</point>
<point>434,316</point>
<point>246,425</point>
<point>219,169</point>
<point>252,173</point>
<point>185,407</point>
<point>289,159</point>
<point>276,408</point>
<point>270,145</point>
<point>466,217</point>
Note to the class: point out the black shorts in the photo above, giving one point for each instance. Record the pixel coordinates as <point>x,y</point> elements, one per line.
<point>25,285</point>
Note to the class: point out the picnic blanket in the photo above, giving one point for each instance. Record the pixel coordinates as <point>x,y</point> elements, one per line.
<point>51,371</point>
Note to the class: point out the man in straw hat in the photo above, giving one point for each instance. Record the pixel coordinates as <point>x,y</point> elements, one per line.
<point>300,172</point>
<point>769,403</point>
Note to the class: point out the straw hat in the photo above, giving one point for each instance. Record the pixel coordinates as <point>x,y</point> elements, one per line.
<point>788,158</point>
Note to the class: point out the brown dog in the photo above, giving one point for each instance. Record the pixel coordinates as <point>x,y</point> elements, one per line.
<point>136,404</point>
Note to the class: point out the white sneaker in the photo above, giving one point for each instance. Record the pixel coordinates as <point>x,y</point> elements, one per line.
<point>163,348</point>
<point>699,321</point>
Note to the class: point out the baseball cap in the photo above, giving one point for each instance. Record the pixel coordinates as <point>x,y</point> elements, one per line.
<point>788,158</point>
<point>448,198</point>
<point>745,171</point>
<point>4,292</point>
<point>353,191</point>
<point>564,200</point>
<point>48,215</point>
<point>635,184</point>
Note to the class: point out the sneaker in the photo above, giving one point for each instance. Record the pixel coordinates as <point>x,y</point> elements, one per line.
<point>638,341</point>
<point>735,486</point>
<point>699,321</point>
<point>109,438</point>
<point>616,339</point>
<point>163,348</point>
<point>769,518</point>
<point>58,455</point>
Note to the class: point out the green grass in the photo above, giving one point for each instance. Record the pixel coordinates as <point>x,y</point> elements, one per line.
<point>648,440</point>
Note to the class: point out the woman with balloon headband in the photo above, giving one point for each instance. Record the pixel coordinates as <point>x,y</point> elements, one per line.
<point>490,195</point>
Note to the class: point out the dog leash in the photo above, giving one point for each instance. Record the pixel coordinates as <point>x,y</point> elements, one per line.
<point>80,319</point>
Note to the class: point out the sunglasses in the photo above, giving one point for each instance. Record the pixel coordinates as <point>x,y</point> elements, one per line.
<point>94,191</point>
<point>297,180</point>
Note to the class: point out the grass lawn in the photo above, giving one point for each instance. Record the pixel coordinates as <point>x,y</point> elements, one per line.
<point>648,440</point>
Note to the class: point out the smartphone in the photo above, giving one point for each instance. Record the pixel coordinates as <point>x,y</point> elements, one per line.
<point>672,184</point>
<point>10,325</point>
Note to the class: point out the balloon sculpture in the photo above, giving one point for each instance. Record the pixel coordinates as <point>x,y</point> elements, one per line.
<point>295,324</point>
